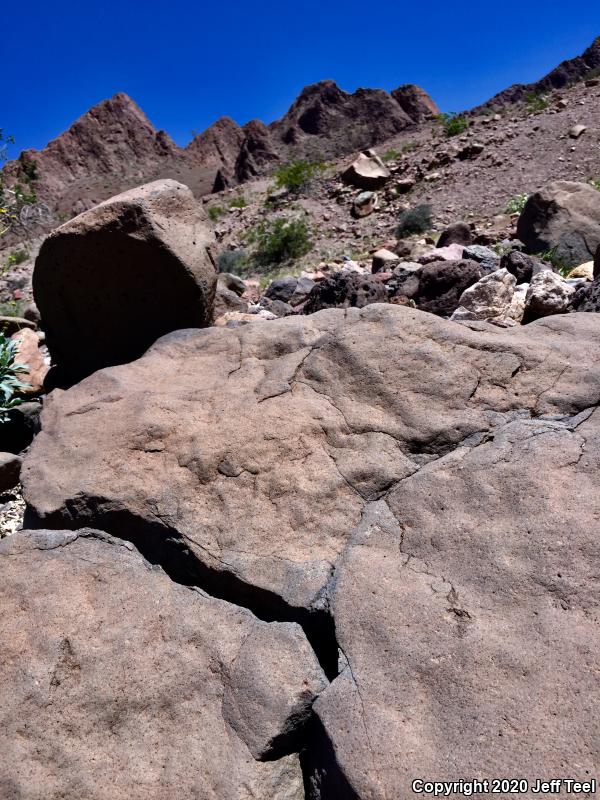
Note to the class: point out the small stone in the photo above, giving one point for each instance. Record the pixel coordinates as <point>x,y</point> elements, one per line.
<point>365,204</point>
<point>10,471</point>
<point>384,260</point>
<point>548,294</point>
<point>576,131</point>
<point>585,271</point>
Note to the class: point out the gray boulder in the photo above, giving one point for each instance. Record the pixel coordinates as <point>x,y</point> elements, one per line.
<point>564,217</point>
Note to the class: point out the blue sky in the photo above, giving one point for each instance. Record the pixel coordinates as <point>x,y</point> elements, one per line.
<point>188,63</point>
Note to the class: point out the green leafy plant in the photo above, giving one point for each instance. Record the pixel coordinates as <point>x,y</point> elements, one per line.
<point>414,220</point>
<point>9,376</point>
<point>550,257</point>
<point>215,213</point>
<point>535,102</point>
<point>234,261</point>
<point>454,124</point>
<point>238,202</point>
<point>516,204</point>
<point>13,198</point>
<point>12,308</point>
<point>390,155</point>
<point>296,176</point>
<point>15,258</point>
<point>595,182</point>
<point>278,240</point>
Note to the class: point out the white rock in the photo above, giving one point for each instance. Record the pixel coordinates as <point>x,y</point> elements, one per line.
<point>489,298</point>
<point>548,294</point>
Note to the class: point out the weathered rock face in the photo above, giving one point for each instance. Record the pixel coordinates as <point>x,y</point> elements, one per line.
<point>367,172</point>
<point>564,217</point>
<point>346,290</point>
<point>136,687</point>
<point>415,102</point>
<point>256,152</point>
<point>218,145</point>
<point>587,298</point>
<point>346,466</point>
<point>114,279</point>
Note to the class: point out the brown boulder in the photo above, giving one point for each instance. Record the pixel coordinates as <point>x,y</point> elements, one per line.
<point>442,283</point>
<point>111,281</point>
<point>28,354</point>
<point>136,687</point>
<point>367,172</point>
<point>563,217</point>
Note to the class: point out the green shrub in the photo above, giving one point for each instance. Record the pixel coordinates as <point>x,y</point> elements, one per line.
<point>454,124</point>
<point>216,212</point>
<point>9,380</point>
<point>13,308</point>
<point>278,240</point>
<point>15,258</point>
<point>234,261</point>
<point>535,102</point>
<point>296,176</point>
<point>595,182</point>
<point>238,202</point>
<point>414,220</point>
<point>409,147</point>
<point>390,155</point>
<point>550,257</point>
<point>516,204</point>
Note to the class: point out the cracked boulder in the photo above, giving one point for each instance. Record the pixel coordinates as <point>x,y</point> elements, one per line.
<point>117,682</point>
<point>422,493</point>
<point>117,277</point>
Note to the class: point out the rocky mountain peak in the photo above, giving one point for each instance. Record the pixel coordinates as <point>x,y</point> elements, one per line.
<point>218,145</point>
<point>415,102</point>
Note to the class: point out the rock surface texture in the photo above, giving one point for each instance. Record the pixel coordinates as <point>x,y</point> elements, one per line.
<point>111,281</point>
<point>126,692</point>
<point>419,495</point>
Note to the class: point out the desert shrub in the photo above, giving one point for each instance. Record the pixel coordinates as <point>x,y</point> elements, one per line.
<point>390,155</point>
<point>215,213</point>
<point>593,73</point>
<point>12,308</point>
<point>550,257</point>
<point>535,102</point>
<point>234,261</point>
<point>22,193</point>
<point>409,147</point>
<point>414,220</point>
<point>238,202</point>
<point>9,376</point>
<point>516,204</point>
<point>15,258</point>
<point>454,124</point>
<point>297,175</point>
<point>595,182</point>
<point>278,240</point>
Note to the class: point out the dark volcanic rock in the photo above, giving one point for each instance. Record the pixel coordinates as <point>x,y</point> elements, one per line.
<point>256,151</point>
<point>114,279</point>
<point>522,266</point>
<point>563,217</point>
<point>587,297</point>
<point>442,283</point>
<point>219,145</point>
<point>346,290</point>
<point>458,233</point>
<point>415,102</point>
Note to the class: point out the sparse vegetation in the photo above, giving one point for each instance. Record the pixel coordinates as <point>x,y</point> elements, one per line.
<point>15,258</point>
<point>535,102</point>
<point>215,213</point>
<point>390,155</point>
<point>238,202</point>
<point>550,257</point>
<point>21,193</point>
<point>278,240</point>
<point>409,147</point>
<point>234,261</point>
<point>414,220</point>
<point>296,176</point>
<point>12,308</point>
<point>595,182</point>
<point>9,376</point>
<point>516,204</point>
<point>453,124</point>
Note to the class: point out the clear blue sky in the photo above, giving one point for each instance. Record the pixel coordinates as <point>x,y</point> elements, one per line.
<point>187,63</point>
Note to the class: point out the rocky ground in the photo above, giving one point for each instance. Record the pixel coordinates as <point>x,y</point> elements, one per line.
<point>328,525</point>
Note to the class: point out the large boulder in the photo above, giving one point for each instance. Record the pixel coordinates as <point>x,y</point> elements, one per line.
<point>367,172</point>
<point>563,217</point>
<point>442,283</point>
<point>489,298</point>
<point>114,279</point>
<point>345,289</point>
<point>415,102</point>
<point>419,495</point>
<point>118,682</point>
<point>547,294</point>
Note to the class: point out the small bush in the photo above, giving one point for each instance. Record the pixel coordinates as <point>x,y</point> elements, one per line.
<point>296,176</point>
<point>234,261</point>
<point>595,182</point>
<point>215,213</point>
<point>238,202</point>
<point>409,147</point>
<point>516,204</point>
<point>391,155</point>
<point>550,257</point>
<point>535,102</point>
<point>280,240</point>
<point>454,124</point>
<point>414,220</point>
<point>13,308</point>
<point>15,258</point>
<point>9,376</point>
